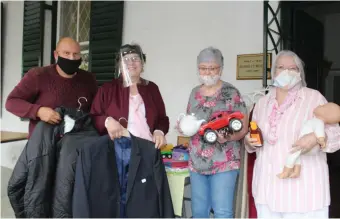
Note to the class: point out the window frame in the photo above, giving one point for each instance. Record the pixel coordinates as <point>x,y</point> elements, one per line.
<point>84,45</point>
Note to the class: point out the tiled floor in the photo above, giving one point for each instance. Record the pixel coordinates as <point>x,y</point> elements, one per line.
<point>6,209</point>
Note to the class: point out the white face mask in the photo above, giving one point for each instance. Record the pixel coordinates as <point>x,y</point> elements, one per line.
<point>287,79</point>
<point>209,80</point>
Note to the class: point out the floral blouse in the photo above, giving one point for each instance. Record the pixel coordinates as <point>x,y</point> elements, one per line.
<point>208,158</point>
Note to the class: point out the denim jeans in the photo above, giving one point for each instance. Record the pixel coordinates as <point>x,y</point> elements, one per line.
<point>213,191</point>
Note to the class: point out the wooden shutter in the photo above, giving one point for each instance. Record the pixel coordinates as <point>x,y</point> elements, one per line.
<point>33,35</point>
<point>106,30</point>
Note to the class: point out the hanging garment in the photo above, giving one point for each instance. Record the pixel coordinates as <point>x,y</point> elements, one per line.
<point>113,182</point>
<point>123,153</point>
<point>67,153</point>
<point>30,188</point>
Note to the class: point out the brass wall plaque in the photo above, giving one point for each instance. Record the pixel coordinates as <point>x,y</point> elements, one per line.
<point>250,66</point>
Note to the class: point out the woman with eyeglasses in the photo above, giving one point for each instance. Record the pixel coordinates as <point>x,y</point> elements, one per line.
<point>138,107</point>
<point>214,167</point>
<point>281,115</point>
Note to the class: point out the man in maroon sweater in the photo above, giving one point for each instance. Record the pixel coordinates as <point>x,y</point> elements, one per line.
<point>42,89</point>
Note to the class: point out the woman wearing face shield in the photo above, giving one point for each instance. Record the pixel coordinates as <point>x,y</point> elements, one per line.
<point>130,101</point>
<point>214,167</point>
<point>280,115</point>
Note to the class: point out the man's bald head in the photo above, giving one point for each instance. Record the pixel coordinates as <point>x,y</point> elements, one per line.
<point>67,41</point>
<point>67,48</point>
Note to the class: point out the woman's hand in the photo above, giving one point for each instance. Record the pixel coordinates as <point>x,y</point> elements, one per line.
<point>305,143</point>
<point>114,128</point>
<point>237,136</point>
<point>251,142</point>
<point>222,137</point>
<point>158,138</point>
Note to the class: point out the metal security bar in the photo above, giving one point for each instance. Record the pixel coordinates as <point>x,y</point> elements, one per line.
<point>273,31</point>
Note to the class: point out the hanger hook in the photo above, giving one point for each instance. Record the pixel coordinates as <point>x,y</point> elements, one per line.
<point>80,102</point>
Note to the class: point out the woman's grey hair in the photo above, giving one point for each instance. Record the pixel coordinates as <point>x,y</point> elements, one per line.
<point>210,54</point>
<point>299,63</point>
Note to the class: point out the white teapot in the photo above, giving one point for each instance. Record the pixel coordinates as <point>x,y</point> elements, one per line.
<point>189,124</point>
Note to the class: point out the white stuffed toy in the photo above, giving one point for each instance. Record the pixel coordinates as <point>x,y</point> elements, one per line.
<point>329,114</point>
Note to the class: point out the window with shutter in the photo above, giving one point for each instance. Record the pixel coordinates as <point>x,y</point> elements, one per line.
<point>106,30</point>
<point>75,23</point>
<point>33,35</point>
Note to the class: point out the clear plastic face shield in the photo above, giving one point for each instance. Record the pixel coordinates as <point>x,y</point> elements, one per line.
<point>131,65</point>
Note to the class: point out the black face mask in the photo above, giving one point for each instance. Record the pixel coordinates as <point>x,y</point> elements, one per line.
<point>68,66</point>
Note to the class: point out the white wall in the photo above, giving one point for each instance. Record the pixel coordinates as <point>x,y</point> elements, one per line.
<point>332,39</point>
<point>12,46</point>
<point>12,61</point>
<point>173,33</point>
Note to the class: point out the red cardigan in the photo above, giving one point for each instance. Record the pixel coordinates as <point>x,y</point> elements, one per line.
<point>112,99</point>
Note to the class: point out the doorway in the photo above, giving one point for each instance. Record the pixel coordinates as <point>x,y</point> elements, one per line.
<point>312,30</point>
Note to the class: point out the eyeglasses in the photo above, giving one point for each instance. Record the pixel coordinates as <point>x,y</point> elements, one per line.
<point>282,68</point>
<point>132,59</point>
<point>210,69</point>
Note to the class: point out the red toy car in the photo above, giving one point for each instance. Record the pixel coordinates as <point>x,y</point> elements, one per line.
<point>224,123</point>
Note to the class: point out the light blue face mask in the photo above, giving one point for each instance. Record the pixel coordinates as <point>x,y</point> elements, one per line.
<point>287,79</point>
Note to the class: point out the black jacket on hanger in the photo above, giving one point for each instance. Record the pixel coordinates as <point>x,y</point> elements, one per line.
<point>67,155</point>
<point>97,191</point>
<point>30,188</point>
